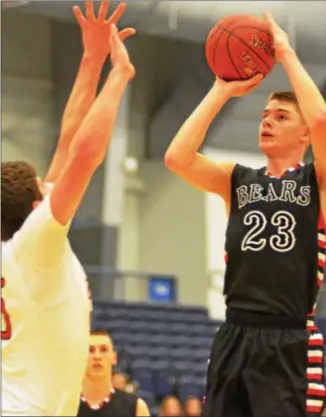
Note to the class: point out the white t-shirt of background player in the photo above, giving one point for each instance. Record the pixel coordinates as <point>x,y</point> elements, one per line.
<point>46,300</point>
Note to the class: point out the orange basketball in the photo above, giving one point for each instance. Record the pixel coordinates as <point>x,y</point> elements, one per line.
<point>239,47</point>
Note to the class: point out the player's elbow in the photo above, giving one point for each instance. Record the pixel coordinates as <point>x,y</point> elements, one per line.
<point>175,162</point>
<point>170,161</point>
<point>321,122</point>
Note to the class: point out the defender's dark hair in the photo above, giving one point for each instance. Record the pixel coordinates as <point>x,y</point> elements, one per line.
<point>19,189</point>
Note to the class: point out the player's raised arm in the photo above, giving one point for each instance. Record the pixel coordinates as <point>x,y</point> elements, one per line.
<point>95,32</point>
<point>90,144</point>
<point>182,156</point>
<point>42,237</point>
<point>311,102</point>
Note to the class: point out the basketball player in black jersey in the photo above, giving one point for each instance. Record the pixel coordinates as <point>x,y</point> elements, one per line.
<point>265,362</point>
<point>99,398</point>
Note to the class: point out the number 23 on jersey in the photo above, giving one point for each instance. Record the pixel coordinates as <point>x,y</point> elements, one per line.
<point>5,318</point>
<point>283,239</point>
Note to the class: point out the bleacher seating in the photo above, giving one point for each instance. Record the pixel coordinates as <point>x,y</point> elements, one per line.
<point>164,348</point>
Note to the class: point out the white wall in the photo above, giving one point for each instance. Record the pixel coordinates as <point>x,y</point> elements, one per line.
<point>128,242</point>
<point>128,256</point>
<point>27,123</point>
<point>216,223</point>
<point>172,231</point>
<point>129,236</point>
<point>27,120</point>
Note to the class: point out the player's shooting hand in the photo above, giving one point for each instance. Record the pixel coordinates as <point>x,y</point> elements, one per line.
<point>96,29</point>
<point>239,88</point>
<point>280,38</point>
<point>119,54</point>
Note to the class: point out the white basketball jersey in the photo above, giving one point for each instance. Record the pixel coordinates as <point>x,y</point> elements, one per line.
<point>21,344</point>
<point>66,329</point>
<point>45,320</point>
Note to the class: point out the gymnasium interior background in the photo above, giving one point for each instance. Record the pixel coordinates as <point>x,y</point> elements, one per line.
<point>143,235</point>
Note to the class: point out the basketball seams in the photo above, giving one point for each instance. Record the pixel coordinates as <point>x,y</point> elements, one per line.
<point>239,40</point>
<point>250,27</point>
<point>222,31</point>
<point>243,43</point>
<point>220,34</point>
<point>224,51</point>
<point>229,53</point>
<point>215,37</point>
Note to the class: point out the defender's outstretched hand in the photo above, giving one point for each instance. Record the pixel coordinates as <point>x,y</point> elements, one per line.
<point>119,54</point>
<point>96,30</point>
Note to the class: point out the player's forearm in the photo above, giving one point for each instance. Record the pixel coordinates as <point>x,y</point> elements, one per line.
<point>94,135</point>
<point>311,102</point>
<point>191,136</point>
<point>80,101</point>
<point>81,98</point>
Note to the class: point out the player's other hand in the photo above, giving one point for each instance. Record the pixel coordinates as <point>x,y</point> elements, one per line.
<point>96,30</point>
<point>238,88</point>
<point>119,54</point>
<point>280,38</point>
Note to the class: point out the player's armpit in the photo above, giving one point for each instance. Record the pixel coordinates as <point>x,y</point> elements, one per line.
<point>142,409</point>
<point>89,146</point>
<point>206,175</point>
<point>317,134</point>
<point>70,187</point>
<point>320,169</point>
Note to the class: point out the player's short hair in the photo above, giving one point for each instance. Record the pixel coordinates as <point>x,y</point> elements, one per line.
<point>283,96</point>
<point>19,190</point>
<point>166,400</point>
<point>101,332</point>
<point>192,397</point>
<point>287,96</point>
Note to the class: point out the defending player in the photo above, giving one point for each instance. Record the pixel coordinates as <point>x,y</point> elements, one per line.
<point>44,300</point>
<point>263,361</point>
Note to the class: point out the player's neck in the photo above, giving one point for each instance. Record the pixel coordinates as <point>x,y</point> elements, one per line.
<point>277,166</point>
<point>95,389</point>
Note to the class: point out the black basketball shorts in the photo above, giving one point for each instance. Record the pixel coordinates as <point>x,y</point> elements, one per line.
<point>264,369</point>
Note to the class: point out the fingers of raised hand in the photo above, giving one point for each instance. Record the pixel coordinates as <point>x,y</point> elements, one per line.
<point>79,15</point>
<point>119,11</point>
<point>103,10</point>
<point>126,33</point>
<point>90,15</point>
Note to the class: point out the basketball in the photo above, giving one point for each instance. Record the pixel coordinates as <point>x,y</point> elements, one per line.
<point>239,47</point>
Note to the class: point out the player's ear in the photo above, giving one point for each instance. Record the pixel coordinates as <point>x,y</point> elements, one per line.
<point>305,137</point>
<point>36,203</point>
<point>115,358</point>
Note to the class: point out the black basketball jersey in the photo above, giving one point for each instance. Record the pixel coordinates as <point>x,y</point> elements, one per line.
<point>275,242</point>
<point>120,404</point>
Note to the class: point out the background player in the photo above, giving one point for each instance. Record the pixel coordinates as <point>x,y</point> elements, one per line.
<point>98,395</point>
<point>170,407</point>
<point>44,301</point>
<point>258,361</point>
